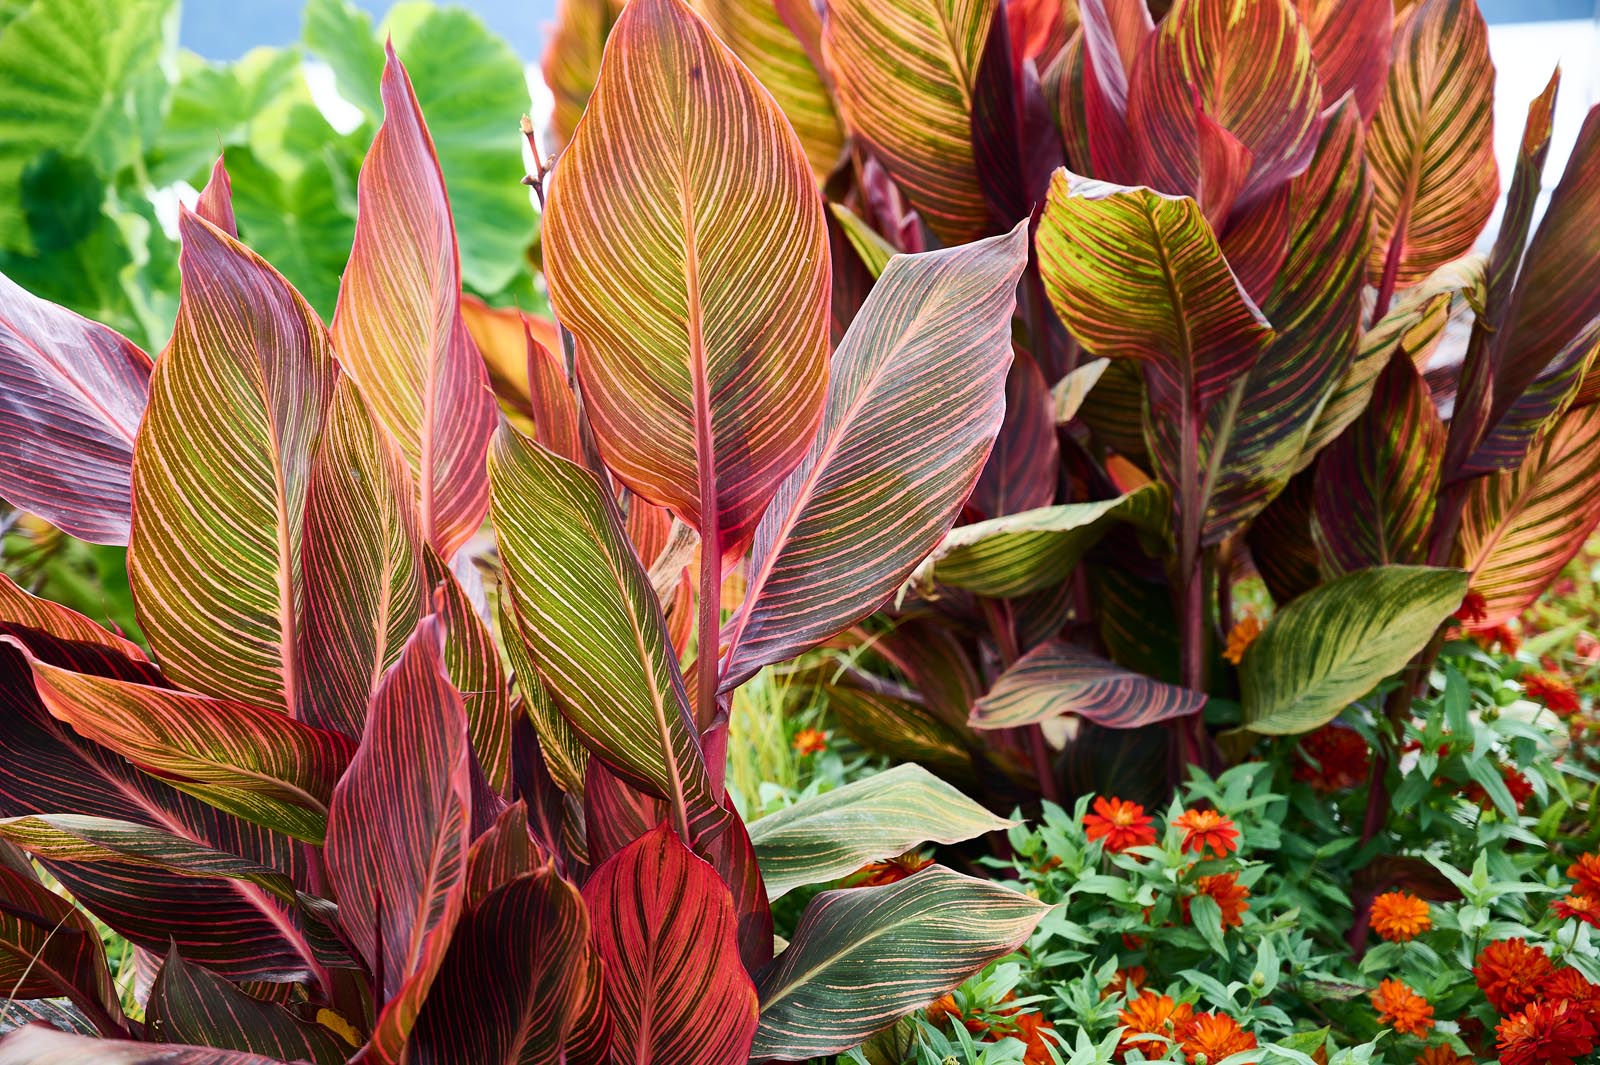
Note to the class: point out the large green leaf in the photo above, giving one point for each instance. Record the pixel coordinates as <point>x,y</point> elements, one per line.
<point>470,85</point>
<point>863,957</point>
<point>299,219</point>
<point>914,402</point>
<point>827,836</point>
<point>217,102</point>
<point>1334,644</point>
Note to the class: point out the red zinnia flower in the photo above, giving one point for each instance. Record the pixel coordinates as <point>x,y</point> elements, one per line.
<point>1585,908</point>
<point>1204,829</point>
<point>892,870</point>
<point>1216,1035</point>
<point>1554,691</point>
<point>1502,634</point>
<point>1121,824</point>
<point>1341,759</point>
<point>1473,609</point>
<point>1402,1008</point>
<point>1569,985</point>
<point>1545,1033</point>
<point>1586,871</point>
<point>1517,784</point>
<point>1230,896</point>
<point>810,741</point>
<point>1399,916</point>
<point>1511,974</point>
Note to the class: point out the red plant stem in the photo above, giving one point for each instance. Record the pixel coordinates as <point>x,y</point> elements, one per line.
<point>997,612</point>
<point>1191,577</point>
<point>1391,266</point>
<point>709,628</point>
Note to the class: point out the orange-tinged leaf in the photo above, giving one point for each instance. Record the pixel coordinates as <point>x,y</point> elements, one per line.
<point>571,63</point>
<point>398,328</point>
<point>216,200</point>
<point>499,335</point>
<point>1431,143</point>
<point>904,75</point>
<point>220,474</point>
<point>1351,44</point>
<point>23,608</point>
<point>690,260</point>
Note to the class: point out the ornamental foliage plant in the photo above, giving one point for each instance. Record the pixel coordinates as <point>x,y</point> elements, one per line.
<point>329,819</point>
<point>1261,334</point>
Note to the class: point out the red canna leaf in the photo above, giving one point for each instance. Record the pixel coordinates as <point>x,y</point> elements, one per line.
<point>1351,44</point>
<point>18,607</point>
<point>1114,34</point>
<point>1023,467</point>
<point>38,1045</point>
<point>1056,678</point>
<point>664,926</point>
<point>50,949</point>
<point>216,200</point>
<point>398,327</point>
<point>398,833</point>
<point>72,392</point>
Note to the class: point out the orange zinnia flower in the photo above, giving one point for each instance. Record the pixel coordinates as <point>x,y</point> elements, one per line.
<point>1545,1033</point>
<point>1207,828</point>
<point>1216,1035</point>
<point>1399,916</point>
<point>1333,758</point>
<point>1028,1029</point>
<point>1152,1014</point>
<point>1229,894</point>
<point>1241,636</point>
<point>1585,908</point>
<point>1511,974</point>
<point>1554,691</point>
<point>1402,1008</point>
<point>1121,824</point>
<point>892,870</point>
<point>1473,608</point>
<point>1443,1054</point>
<point>1124,980</point>
<point>1569,985</point>
<point>1586,871</point>
<point>810,741</point>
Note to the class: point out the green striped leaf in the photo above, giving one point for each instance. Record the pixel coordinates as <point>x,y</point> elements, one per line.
<point>221,469</point>
<point>903,730</point>
<point>1253,440</point>
<point>1056,678</point>
<point>189,1005</point>
<point>20,607</point>
<point>824,837</point>
<point>253,763</point>
<point>398,328</point>
<point>1377,484</point>
<point>37,1045</point>
<point>1069,393</point>
<point>1241,73</point>
<point>759,35</point>
<point>571,63</point>
<point>916,397</point>
<point>515,987</point>
<point>1431,144</point>
<point>1520,527</point>
<point>868,244</point>
<point>1335,643</point>
<point>693,271</point>
<point>1135,274</point>
<point>905,73</point>
<point>593,626</point>
<point>50,949</point>
<point>72,392</point>
<point>563,754</point>
<point>398,833</point>
<point>664,927</point>
<point>863,957</point>
<point>1021,553</point>
<point>1351,43</point>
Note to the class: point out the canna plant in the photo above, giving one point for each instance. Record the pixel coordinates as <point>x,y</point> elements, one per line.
<point>1254,338</point>
<point>329,821</point>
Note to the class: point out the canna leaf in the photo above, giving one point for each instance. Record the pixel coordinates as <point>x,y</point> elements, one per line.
<point>72,392</point>
<point>253,763</point>
<point>664,928</point>
<point>18,607</point>
<point>593,626</point>
<point>398,833</point>
<point>868,244</point>
<point>914,404</point>
<point>189,1005</point>
<point>827,836</point>
<point>905,73</point>
<point>1351,44</point>
<point>1335,643</point>
<point>863,957</point>
<point>1068,394</point>
<point>398,328</point>
<point>50,949</point>
<point>1025,464</point>
<point>1431,143</point>
<point>1520,527</point>
<point>903,730</point>
<point>216,200</point>
<point>571,64</point>
<point>1021,553</point>
<point>1056,678</point>
<point>1135,274</point>
<point>221,469</point>
<point>703,372</point>
<point>1114,35</point>
<point>501,335</point>
<point>1377,484</point>
<point>38,1045</point>
<point>532,936</point>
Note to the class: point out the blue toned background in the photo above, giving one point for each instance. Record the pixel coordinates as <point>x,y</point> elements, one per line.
<point>226,29</point>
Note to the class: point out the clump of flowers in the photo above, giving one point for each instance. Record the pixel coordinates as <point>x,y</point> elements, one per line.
<point>1120,824</point>
<point>1210,1037</point>
<point>1399,916</point>
<point>1586,871</point>
<point>1333,758</point>
<point>1402,1009</point>
<point>1545,1033</point>
<point>1154,1015</point>
<point>1207,830</point>
<point>1575,906</point>
<point>1230,896</point>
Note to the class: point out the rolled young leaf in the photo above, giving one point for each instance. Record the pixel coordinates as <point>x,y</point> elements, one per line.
<point>914,403</point>
<point>1057,678</point>
<point>664,927</point>
<point>1333,644</point>
<point>72,392</point>
<point>824,837</point>
<point>861,958</point>
<point>398,328</point>
<point>690,260</point>
<point>221,470</point>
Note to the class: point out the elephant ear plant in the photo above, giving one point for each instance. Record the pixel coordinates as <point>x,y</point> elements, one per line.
<point>330,825</point>
<point>1252,222</point>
